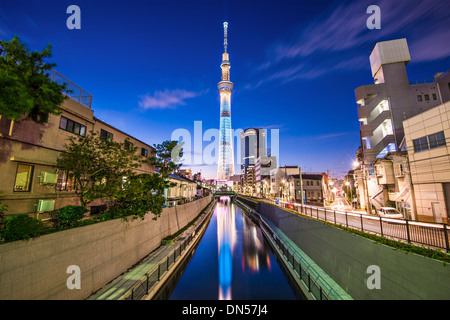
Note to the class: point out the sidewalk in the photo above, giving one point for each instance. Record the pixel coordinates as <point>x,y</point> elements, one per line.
<point>115,289</point>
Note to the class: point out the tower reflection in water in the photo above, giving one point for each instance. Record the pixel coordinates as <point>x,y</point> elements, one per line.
<point>255,253</point>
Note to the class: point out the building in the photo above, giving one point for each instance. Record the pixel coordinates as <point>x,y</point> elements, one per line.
<point>383,108</point>
<point>225,167</point>
<point>253,146</point>
<point>314,189</point>
<point>384,105</point>
<point>263,166</point>
<point>393,177</point>
<point>279,187</point>
<point>183,191</point>
<point>31,181</point>
<point>427,142</point>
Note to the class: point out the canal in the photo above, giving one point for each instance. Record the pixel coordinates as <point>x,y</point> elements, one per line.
<point>232,261</point>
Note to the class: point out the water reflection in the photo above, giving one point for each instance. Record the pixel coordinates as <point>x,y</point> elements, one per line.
<point>254,250</point>
<point>232,261</point>
<point>226,241</point>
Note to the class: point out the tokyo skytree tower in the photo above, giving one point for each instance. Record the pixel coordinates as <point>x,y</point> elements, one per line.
<point>225,168</point>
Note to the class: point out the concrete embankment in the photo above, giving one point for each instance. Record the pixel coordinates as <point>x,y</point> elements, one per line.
<point>40,268</point>
<point>363,268</point>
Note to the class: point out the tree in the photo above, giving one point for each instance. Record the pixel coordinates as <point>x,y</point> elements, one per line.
<point>167,157</point>
<point>166,160</point>
<point>26,90</point>
<point>98,167</point>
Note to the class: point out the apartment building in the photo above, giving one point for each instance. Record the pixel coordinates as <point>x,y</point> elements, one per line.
<point>384,105</point>
<point>253,146</point>
<point>382,109</point>
<point>31,182</point>
<point>427,138</point>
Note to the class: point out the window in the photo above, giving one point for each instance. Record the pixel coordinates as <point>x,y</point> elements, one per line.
<point>427,97</point>
<point>419,97</point>
<point>105,135</point>
<point>434,96</point>
<point>420,144</point>
<point>24,176</point>
<point>72,126</point>
<point>430,142</point>
<point>64,183</point>
<point>128,145</point>
<point>144,152</point>
<point>436,140</point>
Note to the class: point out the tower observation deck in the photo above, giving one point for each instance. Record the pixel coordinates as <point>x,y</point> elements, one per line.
<point>225,168</point>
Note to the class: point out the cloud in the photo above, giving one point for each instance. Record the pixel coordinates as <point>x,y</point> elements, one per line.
<point>338,39</point>
<point>167,99</point>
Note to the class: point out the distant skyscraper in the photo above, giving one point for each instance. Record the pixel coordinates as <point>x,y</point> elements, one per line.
<point>225,168</point>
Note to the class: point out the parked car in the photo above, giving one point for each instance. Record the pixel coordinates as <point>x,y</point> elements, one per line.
<point>388,212</point>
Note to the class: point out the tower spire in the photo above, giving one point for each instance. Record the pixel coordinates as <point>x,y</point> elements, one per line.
<point>225,39</point>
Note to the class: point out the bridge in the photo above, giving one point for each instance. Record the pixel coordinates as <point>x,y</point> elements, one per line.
<point>224,193</point>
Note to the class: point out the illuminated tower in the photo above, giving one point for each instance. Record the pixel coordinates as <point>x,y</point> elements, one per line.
<point>225,168</point>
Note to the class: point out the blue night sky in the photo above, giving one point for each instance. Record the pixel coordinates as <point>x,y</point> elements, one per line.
<point>153,66</point>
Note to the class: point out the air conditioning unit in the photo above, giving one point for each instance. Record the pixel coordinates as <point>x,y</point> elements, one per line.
<point>45,205</point>
<point>48,177</point>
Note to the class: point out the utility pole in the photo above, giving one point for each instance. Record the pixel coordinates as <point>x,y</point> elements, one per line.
<point>301,185</point>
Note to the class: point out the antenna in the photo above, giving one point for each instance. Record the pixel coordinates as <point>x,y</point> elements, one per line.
<point>225,40</point>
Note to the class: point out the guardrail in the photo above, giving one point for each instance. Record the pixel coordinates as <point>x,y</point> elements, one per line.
<point>302,269</point>
<point>433,235</point>
<point>73,91</point>
<point>142,287</point>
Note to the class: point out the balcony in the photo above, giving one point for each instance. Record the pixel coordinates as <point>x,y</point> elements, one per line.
<point>75,92</point>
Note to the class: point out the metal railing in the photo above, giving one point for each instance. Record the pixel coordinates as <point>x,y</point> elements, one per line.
<point>73,91</point>
<point>433,235</point>
<point>303,270</point>
<point>142,287</point>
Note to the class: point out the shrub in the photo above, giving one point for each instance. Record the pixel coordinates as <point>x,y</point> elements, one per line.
<point>69,215</point>
<point>22,227</point>
<point>3,209</point>
<point>114,212</point>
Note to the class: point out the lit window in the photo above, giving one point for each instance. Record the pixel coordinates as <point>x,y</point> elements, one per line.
<point>23,178</point>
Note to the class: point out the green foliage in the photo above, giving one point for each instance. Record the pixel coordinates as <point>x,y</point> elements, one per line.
<point>168,155</point>
<point>25,85</point>
<point>3,209</point>
<point>70,215</point>
<point>22,227</point>
<point>98,166</point>
<point>141,194</point>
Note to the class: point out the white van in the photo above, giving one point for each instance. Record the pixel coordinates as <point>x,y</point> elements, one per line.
<point>388,212</point>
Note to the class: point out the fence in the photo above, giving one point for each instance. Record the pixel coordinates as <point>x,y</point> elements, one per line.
<point>433,235</point>
<point>142,287</point>
<point>303,271</point>
<point>74,91</point>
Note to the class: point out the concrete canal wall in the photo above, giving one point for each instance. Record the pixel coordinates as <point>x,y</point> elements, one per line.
<point>38,268</point>
<point>346,258</point>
